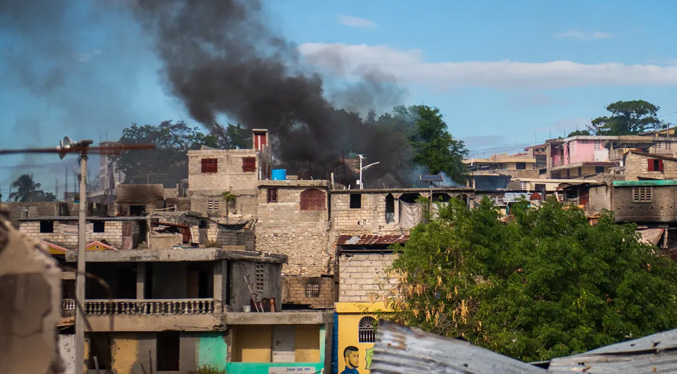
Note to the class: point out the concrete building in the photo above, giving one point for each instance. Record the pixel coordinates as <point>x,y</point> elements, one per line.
<point>517,165</point>
<point>110,177</point>
<point>587,156</point>
<point>649,166</point>
<point>176,310</point>
<point>213,172</point>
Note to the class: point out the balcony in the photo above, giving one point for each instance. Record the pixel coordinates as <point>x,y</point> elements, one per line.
<point>132,307</point>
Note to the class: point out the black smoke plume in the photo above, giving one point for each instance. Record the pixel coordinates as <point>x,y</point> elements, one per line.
<point>221,57</point>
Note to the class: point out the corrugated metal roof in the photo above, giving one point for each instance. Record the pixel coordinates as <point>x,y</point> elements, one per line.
<point>371,239</point>
<point>401,349</point>
<point>661,182</point>
<point>655,353</point>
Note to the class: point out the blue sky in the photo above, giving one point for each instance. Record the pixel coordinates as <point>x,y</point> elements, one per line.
<point>504,74</point>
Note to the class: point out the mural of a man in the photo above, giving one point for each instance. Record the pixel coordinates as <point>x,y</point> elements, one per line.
<point>352,357</point>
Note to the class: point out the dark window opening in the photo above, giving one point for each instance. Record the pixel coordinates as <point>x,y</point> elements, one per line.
<point>210,165</point>
<point>655,165</point>
<point>312,290</point>
<point>580,171</point>
<point>521,165</point>
<point>312,199</point>
<point>599,169</point>
<point>441,197</point>
<point>355,201</point>
<point>390,208</point>
<point>99,226</point>
<point>46,227</point>
<point>200,280</point>
<point>168,351</point>
<point>410,197</point>
<point>99,347</point>
<point>249,164</point>
<point>367,330</point>
<point>137,210</point>
<point>571,193</point>
<point>272,195</point>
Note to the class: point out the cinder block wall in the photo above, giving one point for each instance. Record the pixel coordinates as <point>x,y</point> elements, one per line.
<point>370,218</point>
<point>294,290</point>
<point>363,278</point>
<point>65,233</point>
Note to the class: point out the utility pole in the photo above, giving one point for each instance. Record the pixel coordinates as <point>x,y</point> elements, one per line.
<point>80,280</point>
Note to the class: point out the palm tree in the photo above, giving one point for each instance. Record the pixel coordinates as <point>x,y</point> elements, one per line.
<point>27,189</point>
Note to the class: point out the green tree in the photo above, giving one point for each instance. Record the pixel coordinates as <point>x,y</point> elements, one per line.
<point>627,118</point>
<point>166,164</point>
<point>27,190</point>
<point>578,132</point>
<point>432,144</point>
<point>542,285</point>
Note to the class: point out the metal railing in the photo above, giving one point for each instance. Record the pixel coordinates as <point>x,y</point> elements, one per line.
<point>143,307</point>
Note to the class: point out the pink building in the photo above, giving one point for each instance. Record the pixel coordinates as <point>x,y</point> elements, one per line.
<point>588,156</point>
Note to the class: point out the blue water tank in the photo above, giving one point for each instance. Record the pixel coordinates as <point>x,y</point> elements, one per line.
<point>279,174</point>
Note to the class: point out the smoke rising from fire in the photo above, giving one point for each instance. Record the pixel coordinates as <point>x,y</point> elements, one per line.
<point>221,57</point>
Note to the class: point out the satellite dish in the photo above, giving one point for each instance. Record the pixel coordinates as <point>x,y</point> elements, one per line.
<point>64,146</point>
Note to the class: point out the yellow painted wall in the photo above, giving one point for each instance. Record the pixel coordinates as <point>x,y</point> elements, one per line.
<point>307,347</point>
<point>125,352</point>
<point>252,343</point>
<point>349,315</point>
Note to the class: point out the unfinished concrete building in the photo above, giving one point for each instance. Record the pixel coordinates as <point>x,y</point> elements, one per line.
<point>293,219</point>
<point>176,310</point>
<point>235,172</point>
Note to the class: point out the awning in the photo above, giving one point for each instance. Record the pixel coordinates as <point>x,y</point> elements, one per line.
<point>650,236</point>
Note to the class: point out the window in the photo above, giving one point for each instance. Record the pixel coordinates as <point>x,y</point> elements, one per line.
<point>312,290</point>
<point>355,201</point>
<point>521,165</point>
<point>260,277</point>
<point>366,332</point>
<point>312,199</point>
<point>168,351</point>
<point>599,169</point>
<point>46,227</point>
<point>390,208</point>
<point>655,164</point>
<point>272,195</point>
<point>580,171</point>
<point>210,165</point>
<point>99,226</point>
<point>213,205</point>
<point>641,194</point>
<point>248,164</point>
<point>598,145</point>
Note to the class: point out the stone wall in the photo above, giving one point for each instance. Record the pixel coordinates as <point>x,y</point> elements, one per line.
<point>636,167</point>
<point>66,233</point>
<point>300,290</point>
<point>302,235</point>
<point>369,218</point>
<point>363,278</point>
<point>229,175</point>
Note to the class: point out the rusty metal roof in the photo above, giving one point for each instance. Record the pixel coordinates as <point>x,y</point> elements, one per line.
<point>401,349</point>
<point>372,239</point>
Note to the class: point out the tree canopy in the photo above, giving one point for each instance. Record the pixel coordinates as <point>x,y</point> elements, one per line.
<point>27,190</point>
<point>627,118</point>
<point>542,285</point>
<point>578,132</point>
<point>167,164</point>
<point>432,144</point>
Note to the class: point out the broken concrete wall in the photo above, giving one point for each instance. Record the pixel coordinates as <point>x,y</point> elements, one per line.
<point>67,352</point>
<point>30,297</point>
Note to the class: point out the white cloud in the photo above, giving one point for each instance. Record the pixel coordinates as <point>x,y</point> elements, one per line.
<point>408,66</point>
<point>577,34</point>
<point>356,22</point>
